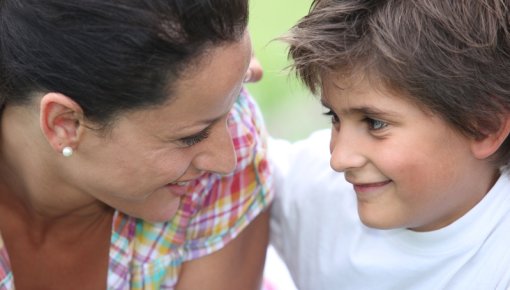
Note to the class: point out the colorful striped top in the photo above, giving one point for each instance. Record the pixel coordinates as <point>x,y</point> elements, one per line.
<point>147,255</point>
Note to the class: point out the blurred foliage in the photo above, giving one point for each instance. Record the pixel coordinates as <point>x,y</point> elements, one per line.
<point>289,109</point>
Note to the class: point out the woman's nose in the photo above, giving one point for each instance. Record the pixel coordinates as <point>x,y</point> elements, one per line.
<point>218,155</point>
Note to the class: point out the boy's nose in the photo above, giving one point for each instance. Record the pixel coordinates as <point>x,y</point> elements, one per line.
<point>345,152</point>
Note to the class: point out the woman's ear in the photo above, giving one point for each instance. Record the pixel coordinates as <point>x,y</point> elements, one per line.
<point>485,147</point>
<point>60,119</point>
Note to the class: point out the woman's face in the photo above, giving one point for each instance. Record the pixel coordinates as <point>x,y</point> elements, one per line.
<point>140,167</point>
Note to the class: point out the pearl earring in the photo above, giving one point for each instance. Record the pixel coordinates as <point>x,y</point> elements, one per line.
<point>67,151</point>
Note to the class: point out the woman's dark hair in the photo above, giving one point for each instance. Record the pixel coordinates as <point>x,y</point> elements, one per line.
<point>108,55</point>
<point>452,57</point>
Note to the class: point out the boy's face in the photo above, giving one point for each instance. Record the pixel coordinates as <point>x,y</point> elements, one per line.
<point>409,168</point>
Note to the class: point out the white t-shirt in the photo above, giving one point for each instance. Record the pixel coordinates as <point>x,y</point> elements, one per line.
<point>316,230</point>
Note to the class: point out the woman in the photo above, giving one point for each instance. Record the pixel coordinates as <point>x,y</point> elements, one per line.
<point>124,165</point>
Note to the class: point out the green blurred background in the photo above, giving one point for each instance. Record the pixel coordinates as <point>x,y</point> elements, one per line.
<point>290,111</point>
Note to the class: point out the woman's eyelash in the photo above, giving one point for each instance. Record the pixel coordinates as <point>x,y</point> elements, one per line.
<point>192,140</point>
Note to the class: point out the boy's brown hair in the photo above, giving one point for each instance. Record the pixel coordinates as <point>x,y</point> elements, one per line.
<point>450,56</point>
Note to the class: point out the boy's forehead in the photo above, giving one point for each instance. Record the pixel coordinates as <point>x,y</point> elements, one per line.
<point>349,93</point>
<point>340,84</point>
<point>348,82</point>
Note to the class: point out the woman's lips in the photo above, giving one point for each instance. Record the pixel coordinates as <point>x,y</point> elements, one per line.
<point>178,188</point>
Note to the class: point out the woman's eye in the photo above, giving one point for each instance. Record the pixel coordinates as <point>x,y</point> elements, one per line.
<point>376,124</point>
<point>333,116</point>
<point>192,140</point>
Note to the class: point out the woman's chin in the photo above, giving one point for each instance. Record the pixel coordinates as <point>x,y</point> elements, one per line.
<point>161,212</point>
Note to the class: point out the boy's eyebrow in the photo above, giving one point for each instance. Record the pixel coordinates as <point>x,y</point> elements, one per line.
<point>364,110</point>
<point>325,103</point>
<point>371,111</point>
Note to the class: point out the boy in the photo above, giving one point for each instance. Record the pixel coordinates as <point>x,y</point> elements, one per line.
<point>419,97</point>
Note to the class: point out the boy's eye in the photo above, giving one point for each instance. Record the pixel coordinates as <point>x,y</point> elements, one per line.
<point>375,124</point>
<point>192,140</point>
<point>334,117</point>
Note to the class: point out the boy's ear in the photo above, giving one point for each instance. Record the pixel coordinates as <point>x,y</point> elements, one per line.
<point>488,145</point>
<point>60,119</point>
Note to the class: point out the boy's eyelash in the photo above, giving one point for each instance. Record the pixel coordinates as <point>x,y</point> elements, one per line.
<point>334,117</point>
<point>371,123</point>
<point>192,140</point>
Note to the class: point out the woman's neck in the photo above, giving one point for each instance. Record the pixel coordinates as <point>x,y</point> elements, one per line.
<point>32,185</point>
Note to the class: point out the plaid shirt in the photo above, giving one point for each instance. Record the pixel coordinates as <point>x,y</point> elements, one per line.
<point>147,255</point>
